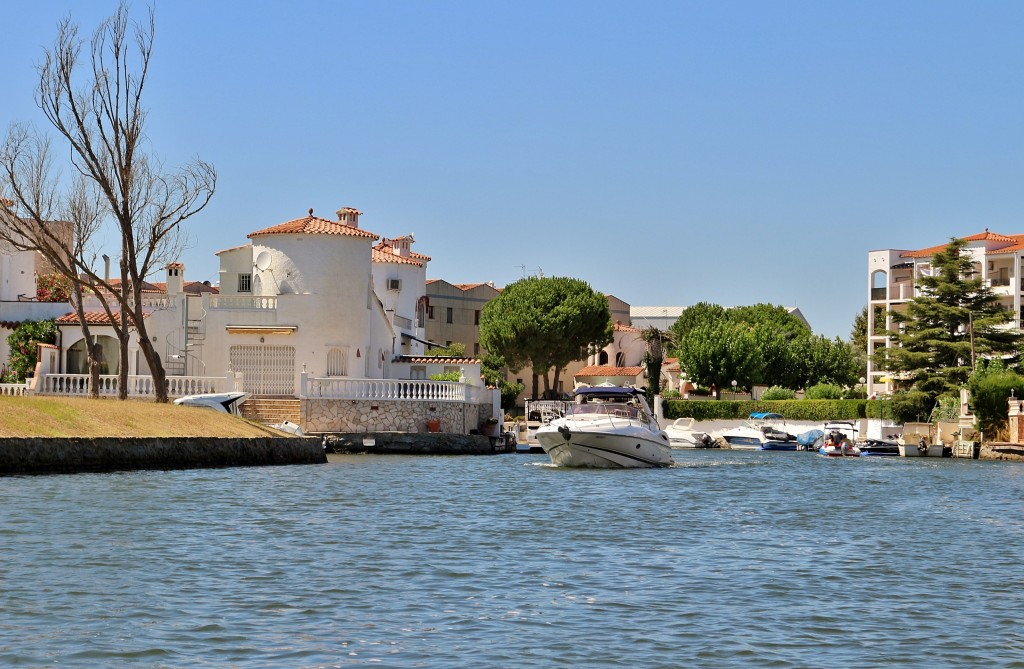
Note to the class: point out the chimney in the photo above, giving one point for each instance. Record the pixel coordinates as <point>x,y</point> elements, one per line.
<point>349,216</point>
<point>106,268</point>
<point>175,278</point>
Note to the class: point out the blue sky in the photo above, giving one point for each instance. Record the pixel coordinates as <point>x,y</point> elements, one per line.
<point>665,152</point>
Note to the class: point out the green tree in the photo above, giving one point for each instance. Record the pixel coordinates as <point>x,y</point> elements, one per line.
<point>453,350</point>
<point>653,357</point>
<point>545,322</point>
<point>859,341</point>
<point>702,313</point>
<point>493,369</point>
<point>720,353</point>
<point>954,320</point>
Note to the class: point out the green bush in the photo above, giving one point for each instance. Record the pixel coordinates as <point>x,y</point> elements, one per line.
<point>912,406</point>
<point>813,410</point>
<point>778,393</point>
<point>446,376</point>
<point>989,395</point>
<point>824,391</point>
<point>23,348</point>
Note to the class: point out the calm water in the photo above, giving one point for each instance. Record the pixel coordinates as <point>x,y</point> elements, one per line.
<point>726,560</point>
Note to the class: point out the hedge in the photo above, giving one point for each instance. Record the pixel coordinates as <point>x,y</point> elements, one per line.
<point>816,410</point>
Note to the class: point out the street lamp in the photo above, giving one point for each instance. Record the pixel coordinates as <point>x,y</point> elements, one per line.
<point>734,388</point>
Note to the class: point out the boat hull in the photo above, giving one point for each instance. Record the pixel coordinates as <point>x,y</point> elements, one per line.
<point>778,446</point>
<point>581,448</point>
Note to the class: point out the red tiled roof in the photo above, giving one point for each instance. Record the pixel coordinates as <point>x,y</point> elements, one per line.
<point>233,248</point>
<point>604,370</point>
<point>377,255</point>
<point>311,225</point>
<point>91,318</point>
<point>986,236</point>
<point>619,327</point>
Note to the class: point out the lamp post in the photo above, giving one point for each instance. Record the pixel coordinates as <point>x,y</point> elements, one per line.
<point>734,388</point>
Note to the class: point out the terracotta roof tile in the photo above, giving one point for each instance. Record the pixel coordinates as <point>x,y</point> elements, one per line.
<point>380,256</point>
<point>311,225</point>
<point>604,370</point>
<point>980,237</point>
<point>91,318</point>
<point>233,248</point>
<point>619,327</point>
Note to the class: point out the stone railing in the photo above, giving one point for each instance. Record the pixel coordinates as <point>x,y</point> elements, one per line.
<point>13,389</point>
<point>138,386</point>
<point>243,302</point>
<point>389,389</point>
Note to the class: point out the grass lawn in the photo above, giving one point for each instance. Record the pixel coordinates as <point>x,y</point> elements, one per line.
<point>79,417</point>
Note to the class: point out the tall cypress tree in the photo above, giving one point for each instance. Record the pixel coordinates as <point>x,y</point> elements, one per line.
<point>954,315</point>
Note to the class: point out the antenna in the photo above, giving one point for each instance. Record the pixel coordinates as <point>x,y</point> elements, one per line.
<point>263,259</point>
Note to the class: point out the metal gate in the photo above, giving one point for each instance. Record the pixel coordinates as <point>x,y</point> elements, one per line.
<point>267,370</point>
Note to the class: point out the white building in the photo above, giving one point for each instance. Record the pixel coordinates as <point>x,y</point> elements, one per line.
<point>892,283</point>
<point>309,296</point>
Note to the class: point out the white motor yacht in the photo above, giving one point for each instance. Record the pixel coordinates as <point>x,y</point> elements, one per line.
<point>610,427</point>
<point>681,434</point>
<point>223,402</point>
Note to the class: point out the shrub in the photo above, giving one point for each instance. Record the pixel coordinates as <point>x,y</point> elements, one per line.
<point>824,391</point>
<point>778,393</point>
<point>912,406</point>
<point>23,347</point>
<point>53,288</point>
<point>989,394</point>
<point>446,376</point>
<point>815,410</point>
<point>670,394</point>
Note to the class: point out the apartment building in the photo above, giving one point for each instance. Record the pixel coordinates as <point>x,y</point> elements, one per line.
<point>892,282</point>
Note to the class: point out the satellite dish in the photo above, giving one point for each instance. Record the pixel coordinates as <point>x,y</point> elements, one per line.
<point>263,260</point>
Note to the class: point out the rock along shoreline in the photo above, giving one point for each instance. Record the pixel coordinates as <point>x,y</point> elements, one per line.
<point>64,455</point>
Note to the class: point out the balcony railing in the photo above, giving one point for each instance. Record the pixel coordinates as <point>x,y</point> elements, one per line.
<point>243,302</point>
<point>390,389</point>
<point>13,389</point>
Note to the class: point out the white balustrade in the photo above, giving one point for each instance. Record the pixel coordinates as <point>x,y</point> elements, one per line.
<point>13,389</point>
<point>389,389</point>
<point>243,302</point>
<point>138,386</point>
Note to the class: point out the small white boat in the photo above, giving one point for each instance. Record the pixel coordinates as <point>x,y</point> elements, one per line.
<point>763,431</point>
<point>610,427</point>
<point>223,402</point>
<point>682,435</point>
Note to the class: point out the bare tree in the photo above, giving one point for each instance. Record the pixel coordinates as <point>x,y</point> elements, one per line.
<point>94,101</point>
<point>59,225</point>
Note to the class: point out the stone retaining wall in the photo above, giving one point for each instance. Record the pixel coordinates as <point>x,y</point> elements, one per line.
<point>46,455</point>
<point>414,444</point>
<point>359,416</point>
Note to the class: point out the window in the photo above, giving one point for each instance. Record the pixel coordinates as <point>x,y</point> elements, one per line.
<point>417,373</point>
<point>476,317</point>
<point>449,316</point>
<point>476,348</point>
<point>430,313</point>
<point>245,283</point>
<point>337,362</point>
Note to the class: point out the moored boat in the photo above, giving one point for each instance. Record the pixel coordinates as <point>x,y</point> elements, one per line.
<point>839,440</point>
<point>609,427</point>
<point>763,431</point>
<point>681,434</point>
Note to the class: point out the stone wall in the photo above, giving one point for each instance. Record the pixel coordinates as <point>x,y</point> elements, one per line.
<point>47,455</point>
<point>334,416</point>
<point>392,443</point>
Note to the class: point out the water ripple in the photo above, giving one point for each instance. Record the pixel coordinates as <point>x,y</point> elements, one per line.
<point>726,559</point>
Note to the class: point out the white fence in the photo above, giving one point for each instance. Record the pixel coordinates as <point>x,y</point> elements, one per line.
<point>138,386</point>
<point>391,389</point>
<point>13,389</point>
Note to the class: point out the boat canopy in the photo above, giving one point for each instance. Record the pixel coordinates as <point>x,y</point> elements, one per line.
<point>765,415</point>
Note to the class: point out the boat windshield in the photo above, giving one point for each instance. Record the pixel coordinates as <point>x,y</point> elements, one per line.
<point>607,409</point>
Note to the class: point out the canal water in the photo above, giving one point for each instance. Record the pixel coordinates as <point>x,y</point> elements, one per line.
<point>728,559</point>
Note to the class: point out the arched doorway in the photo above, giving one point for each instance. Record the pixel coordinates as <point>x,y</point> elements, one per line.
<point>107,354</point>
